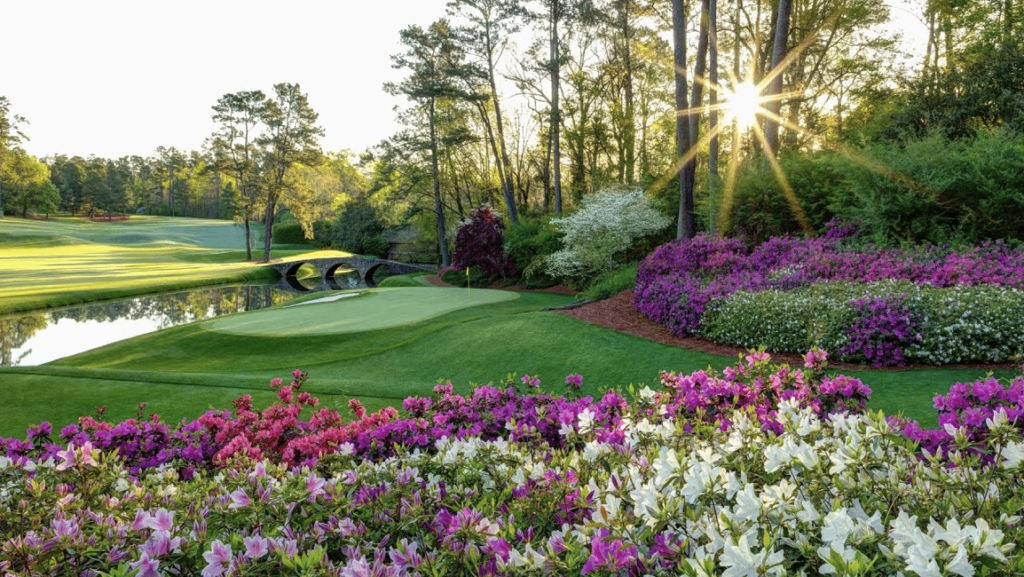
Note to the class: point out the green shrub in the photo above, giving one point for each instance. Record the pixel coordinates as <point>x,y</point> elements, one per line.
<point>760,208</point>
<point>968,324</point>
<point>611,283</point>
<point>528,244</point>
<point>938,191</point>
<point>356,223</point>
<point>477,277</point>
<point>322,233</point>
<point>289,233</point>
<point>960,324</point>
<point>791,322</point>
<point>376,245</point>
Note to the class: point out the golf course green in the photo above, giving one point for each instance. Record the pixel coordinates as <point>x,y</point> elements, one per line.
<point>380,346</point>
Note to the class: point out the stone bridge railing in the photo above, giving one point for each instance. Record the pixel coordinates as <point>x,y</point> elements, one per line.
<point>364,267</point>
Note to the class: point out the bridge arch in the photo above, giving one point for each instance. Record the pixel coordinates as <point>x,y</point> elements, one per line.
<point>368,277</point>
<point>293,269</point>
<point>336,283</point>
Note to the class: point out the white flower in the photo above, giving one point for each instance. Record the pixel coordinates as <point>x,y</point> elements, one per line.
<point>565,430</point>
<point>835,529</point>
<point>591,451</point>
<point>1012,454</point>
<point>847,554</point>
<point>740,561</point>
<point>585,421</point>
<point>960,565</point>
<point>748,506</point>
<point>666,467</point>
<point>645,503</point>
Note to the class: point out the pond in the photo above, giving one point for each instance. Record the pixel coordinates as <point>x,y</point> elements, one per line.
<point>44,336</point>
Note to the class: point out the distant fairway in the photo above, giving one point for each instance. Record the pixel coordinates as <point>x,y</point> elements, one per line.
<point>45,263</point>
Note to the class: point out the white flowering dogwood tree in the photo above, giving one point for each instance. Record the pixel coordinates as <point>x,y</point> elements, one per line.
<point>606,224</point>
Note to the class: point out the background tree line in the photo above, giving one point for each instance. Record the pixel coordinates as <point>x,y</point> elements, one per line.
<point>530,105</point>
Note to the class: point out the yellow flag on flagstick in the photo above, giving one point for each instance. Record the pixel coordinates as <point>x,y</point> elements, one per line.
<point>468,288</point>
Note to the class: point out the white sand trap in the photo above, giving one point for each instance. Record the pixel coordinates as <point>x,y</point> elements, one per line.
<point>324,299</point>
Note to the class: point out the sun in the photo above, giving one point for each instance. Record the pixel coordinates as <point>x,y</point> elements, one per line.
<point>743,103</point>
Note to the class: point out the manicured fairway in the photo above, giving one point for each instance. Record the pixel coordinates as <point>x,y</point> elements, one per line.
<point>69,261</point>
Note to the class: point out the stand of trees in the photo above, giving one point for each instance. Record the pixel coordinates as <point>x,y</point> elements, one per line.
<point>529,105</point>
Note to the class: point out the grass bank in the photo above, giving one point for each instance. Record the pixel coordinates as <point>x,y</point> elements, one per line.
<point>380,348</point>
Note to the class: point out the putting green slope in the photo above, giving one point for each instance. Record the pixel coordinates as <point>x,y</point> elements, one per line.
<point>379,309</point>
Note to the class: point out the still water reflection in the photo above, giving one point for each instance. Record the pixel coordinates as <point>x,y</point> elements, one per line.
<point>37,338</point>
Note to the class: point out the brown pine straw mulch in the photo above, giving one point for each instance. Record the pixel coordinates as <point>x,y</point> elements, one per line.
<point>618,314</point>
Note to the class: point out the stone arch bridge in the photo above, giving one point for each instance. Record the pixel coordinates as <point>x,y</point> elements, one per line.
<point>364,267</point>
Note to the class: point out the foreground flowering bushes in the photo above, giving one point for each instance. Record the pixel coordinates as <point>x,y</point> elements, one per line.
<point>760,470</point>
<point>930,305</point>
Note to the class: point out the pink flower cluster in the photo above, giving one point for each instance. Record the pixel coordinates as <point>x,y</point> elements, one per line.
<point>277,432</point>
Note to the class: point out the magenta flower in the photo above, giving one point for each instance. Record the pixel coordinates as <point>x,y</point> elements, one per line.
<point>146,567</point>
<point>574,381</point>
<point>405,555</point>
<point>531,381</point>
<point>256,546</point>
<point>607,554</point>
<point>239,499</point>
<point>162,520</point>
<point>64,528</point>
<point>217,559</point>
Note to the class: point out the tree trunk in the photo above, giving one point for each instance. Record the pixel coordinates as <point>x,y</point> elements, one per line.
<point>248,234</point>
<point>774,105</point>
<point>268,228</point>
<point>556,113</point>
<point>506,185</point>
<point>696,99</point>
<point>713,114</point>
<point>482,109</point>
<point>629,122</point>
<point>438,207</point>
<point>686,223</point>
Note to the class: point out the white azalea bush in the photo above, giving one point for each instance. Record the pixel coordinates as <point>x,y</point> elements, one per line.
<point>623,490</point>
<point>605,225</point>
<point>949,325</point>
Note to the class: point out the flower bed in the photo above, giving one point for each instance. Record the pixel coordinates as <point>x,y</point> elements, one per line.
<point>688,284</point>
<point>762,469</point>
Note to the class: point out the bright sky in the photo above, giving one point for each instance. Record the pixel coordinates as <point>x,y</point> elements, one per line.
<point>121,77</point>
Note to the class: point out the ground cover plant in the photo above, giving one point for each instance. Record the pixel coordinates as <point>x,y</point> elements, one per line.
<point>66,261</point>
<point>758,470</point>
<point>929,305</point>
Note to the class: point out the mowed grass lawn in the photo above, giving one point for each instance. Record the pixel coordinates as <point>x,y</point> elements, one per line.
<point>380,347</point>
<point>63,261</point>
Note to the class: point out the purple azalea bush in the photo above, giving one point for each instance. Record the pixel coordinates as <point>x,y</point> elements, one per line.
<point>680,280</point>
